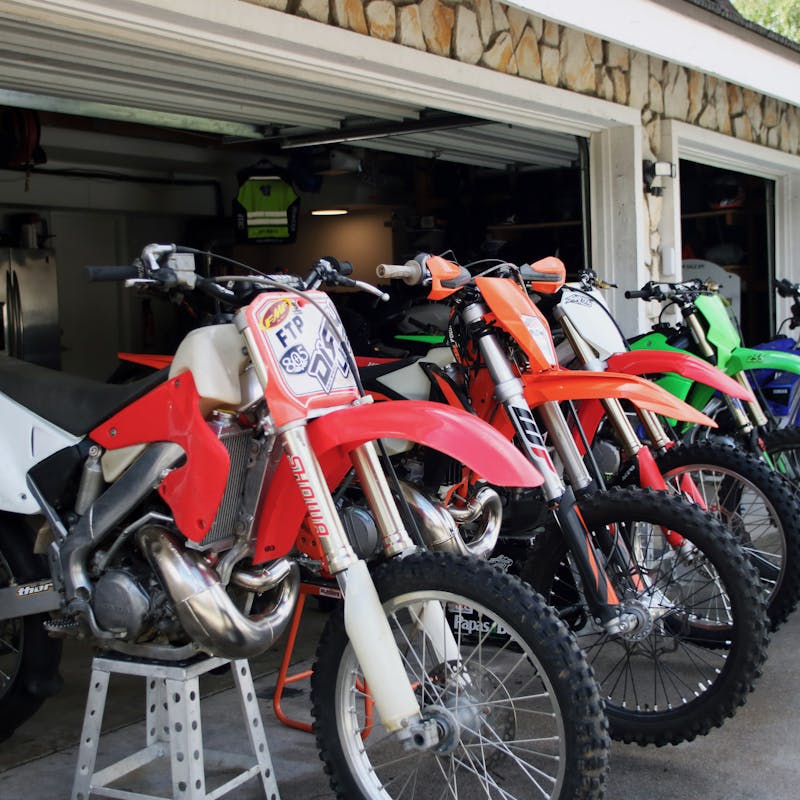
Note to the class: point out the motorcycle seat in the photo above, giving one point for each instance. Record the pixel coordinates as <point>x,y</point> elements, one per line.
<point>73,403</point>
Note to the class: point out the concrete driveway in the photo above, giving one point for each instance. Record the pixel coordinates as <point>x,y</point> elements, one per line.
<point>755,756</point>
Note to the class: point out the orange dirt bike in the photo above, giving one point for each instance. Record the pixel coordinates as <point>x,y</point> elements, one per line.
<point>662,599</point>
<point>174,515</point>
<point>754,501</point>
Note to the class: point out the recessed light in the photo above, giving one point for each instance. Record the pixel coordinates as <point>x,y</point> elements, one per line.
<point>328,212</point>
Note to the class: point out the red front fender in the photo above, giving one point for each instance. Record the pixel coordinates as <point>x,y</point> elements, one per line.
<point>449,430</point>
<point>652,362</point>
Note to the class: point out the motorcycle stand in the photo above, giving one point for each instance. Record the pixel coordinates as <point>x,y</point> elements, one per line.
<point>174,730</point>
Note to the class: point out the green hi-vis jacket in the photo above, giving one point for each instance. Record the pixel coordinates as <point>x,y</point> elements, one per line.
<point>266,210</point>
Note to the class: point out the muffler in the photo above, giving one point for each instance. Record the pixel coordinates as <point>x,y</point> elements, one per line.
<point>206,612</point>
<point>438,523</point>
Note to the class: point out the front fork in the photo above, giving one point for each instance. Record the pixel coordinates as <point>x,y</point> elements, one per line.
<point>365,621</point>
<point>601,598</point>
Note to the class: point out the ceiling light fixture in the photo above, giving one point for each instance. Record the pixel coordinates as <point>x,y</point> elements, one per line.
<point>329,212</point>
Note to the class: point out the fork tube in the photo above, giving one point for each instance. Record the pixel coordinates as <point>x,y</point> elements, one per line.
<point>562,440</point>
<point>365,621</point>
<point>379,497</point>
<point>509,390</point>
<point>655,430</point>
<point>626,435</point>
<point>753,406</point>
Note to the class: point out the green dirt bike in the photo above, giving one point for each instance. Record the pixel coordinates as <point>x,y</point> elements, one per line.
<point>709,331</point>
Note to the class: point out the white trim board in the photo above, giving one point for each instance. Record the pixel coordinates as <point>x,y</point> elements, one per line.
<point>682,141</point>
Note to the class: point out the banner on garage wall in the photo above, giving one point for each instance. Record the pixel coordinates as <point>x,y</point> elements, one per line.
<point>266,207</point>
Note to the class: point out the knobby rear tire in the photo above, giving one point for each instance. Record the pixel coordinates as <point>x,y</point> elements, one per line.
<point>29,658</point>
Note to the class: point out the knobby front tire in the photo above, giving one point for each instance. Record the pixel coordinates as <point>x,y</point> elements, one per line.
<point>530,719</point>
<point>703,652</point>
<point>757,505</point>
<point>783,448</point>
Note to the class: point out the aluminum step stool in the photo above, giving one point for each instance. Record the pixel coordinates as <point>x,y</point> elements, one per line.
<point>173,730</point>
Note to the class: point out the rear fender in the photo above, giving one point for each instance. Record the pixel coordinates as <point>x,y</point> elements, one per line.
<point>333,436</point>
<point>651,362</point>
<point>746,358</point>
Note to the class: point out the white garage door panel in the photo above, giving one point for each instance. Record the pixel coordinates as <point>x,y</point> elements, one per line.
<point>245,48</point>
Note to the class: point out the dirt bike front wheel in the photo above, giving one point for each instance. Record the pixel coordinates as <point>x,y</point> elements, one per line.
<point>702,648</point>
<point>522,714</point>
<point>755,502</point>
<point>783,448</point>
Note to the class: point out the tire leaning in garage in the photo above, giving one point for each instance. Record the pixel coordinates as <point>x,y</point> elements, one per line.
<point>783,447</point>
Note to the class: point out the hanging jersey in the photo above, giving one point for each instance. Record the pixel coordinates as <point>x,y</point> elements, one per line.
<point>266,210</point>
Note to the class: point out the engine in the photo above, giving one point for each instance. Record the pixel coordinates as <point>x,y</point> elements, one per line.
<point>129,599</point>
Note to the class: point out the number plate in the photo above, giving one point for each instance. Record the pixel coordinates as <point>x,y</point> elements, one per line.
<point>304,348</point>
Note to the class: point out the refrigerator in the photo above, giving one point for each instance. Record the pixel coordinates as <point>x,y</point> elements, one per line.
<point>29,302</point>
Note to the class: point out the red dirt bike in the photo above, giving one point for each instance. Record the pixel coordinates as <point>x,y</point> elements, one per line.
<point>153,518</point>
<point>658,591</point>
<point>754,501</point>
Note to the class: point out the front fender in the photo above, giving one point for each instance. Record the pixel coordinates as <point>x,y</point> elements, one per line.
<point>333,436</point>
<point>651,362</point>
<point>581,385</point>
<point>747,358</point>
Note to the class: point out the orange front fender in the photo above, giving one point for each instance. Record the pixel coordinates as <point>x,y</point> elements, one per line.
<point>565,384</point>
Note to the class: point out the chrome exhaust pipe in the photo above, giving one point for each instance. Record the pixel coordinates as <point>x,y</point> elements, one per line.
<point>437,527</point>
<point>205,610</point>
<point>438,523</point>
<point>486,503</point>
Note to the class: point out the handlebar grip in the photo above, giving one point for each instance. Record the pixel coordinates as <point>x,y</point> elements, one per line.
<point>410,272</point>
<point>636,294</point>
<point>96,274</point>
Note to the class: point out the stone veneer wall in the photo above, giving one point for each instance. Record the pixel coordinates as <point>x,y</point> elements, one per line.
<point>511,40</point>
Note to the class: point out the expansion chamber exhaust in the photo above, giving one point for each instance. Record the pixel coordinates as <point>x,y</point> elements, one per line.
<point>438,523</point>
<point>205,610</point>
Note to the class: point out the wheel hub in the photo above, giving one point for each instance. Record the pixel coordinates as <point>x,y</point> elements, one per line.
<point>638,624</point>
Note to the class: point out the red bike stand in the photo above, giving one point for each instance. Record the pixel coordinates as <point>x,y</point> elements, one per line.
<point>284,679</point>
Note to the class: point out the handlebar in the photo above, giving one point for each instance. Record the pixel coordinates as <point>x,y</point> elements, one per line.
<point>643,294</point>
<point>786,288</point>
<point>172,267</point>
<point>680,293</point>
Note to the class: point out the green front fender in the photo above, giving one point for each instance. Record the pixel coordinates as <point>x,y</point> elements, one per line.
<point>747,358</point>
